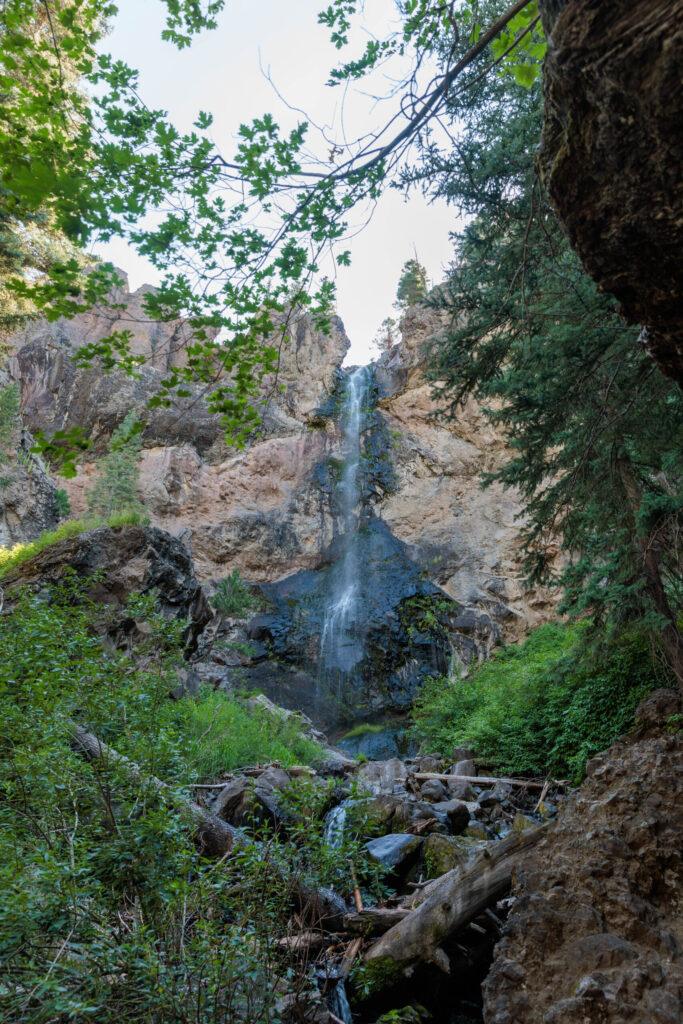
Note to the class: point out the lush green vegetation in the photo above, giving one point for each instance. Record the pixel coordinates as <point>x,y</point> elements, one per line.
<point>543,706</point>
<point>233,597</point>
<point>10,558</point>
<point>220,733</point>
<point>108,909</point>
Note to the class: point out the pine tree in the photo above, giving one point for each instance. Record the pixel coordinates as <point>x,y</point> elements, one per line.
<point>596,433</point>
<point>412,285</point>
<point>115,489</point>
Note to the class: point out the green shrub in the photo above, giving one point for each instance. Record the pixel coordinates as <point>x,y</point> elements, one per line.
<point>545,705</point>
<point>109,912</point>
<point>9,415</point>
<point>220,733</point>
<point>233,597</point>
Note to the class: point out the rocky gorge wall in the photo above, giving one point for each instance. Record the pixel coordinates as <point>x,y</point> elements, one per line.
<point>430,534</point>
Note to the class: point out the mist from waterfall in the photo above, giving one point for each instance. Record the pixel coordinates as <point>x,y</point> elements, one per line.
<point>341,641</point>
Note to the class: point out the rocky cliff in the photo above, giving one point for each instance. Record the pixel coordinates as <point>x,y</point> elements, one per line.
<point>429,536</point>
<point>611,154</point>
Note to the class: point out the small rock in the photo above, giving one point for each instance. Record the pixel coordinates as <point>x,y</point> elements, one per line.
<point>476,831</point>
<point>395,851</point>
<point>458,790</point>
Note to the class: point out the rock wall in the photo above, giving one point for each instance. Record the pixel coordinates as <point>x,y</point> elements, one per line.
<point>612,151</point>
<point>429,531</point>
<point>596,931</point>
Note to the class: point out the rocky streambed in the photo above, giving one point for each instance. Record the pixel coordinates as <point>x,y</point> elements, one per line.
<point>432,830</point>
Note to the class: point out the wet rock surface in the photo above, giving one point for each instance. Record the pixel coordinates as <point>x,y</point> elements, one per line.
<point>596,930</point>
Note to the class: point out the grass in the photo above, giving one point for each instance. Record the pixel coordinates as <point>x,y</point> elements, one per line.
<point>363,729</point>
<point>545,705</point>
<point>10,558</point>
<point>221,734</point>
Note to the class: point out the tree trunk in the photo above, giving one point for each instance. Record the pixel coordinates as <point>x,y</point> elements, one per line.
<point>649,554</point>
<point>458,897</point>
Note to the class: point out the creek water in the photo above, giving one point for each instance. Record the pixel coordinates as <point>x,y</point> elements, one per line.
<point>341,643</point>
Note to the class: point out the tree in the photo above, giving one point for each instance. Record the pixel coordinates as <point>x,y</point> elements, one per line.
<point>595,431</point>
<point>385,337</point>
<point>80,148</point>
<point>116,488</point>
<point>412,284</point>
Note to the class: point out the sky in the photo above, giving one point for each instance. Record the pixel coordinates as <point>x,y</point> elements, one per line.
<point>222,72</point>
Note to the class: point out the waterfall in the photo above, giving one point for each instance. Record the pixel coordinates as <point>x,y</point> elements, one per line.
<point>340,644</point>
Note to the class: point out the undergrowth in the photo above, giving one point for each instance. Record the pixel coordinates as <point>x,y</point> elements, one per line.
<point>543,706</point>
<point>109,912</point>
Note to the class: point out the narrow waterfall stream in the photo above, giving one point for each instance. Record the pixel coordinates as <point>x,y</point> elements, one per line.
<point>341,646</point>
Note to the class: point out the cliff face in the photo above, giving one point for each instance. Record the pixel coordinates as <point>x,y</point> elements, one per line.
<point>611,154</point>
<point>428,534</point>
<point>595,933</point>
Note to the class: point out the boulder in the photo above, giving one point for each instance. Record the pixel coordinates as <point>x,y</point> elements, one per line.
<point>396,851</point>
<point>443,853</point>
<point>386,777</point>
<point>433,790</point>
<point>594,930</point>
<point>466,766</point>
<point>118,563</point>
<point>455,813</point>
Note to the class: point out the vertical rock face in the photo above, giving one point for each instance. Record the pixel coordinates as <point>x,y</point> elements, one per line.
<point>436,567</point>
<point>27,493</point>
<point>596,932</point>
<point>612,152</point>
<point>467,538</point>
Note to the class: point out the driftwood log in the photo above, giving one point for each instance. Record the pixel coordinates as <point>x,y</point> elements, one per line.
<point>216,837</point>
<point>486,780</point>
<point>454,900</point>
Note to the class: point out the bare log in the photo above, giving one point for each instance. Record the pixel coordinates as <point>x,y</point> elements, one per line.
<point>374,920</point>
<point>216,837</point>
<point>459,896</point>
<point>487,780</point>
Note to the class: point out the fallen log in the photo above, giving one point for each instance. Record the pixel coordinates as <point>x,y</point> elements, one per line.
<point>459,896</point>
<point>216,837</point>
<point>374,920</point>
<point>487,780</point>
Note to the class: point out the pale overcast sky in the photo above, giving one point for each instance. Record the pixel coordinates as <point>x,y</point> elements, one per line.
<point>221,73</point>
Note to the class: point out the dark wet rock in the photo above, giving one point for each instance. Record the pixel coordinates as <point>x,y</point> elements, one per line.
<point>392,652</point>
<point>594,931</point>
<point>121,562</point>
<point>433,790</point>
<point>612,150</point>
<point>455,813</point>
<point>231,800</point>
<point>395,851</point>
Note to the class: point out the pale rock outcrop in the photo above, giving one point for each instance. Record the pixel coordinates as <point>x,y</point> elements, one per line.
<point>466,537</point>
